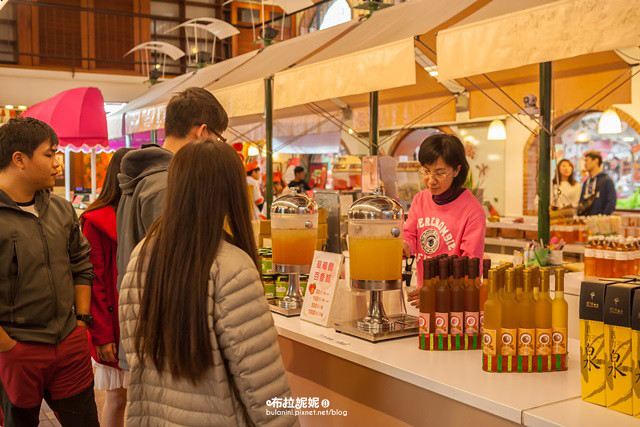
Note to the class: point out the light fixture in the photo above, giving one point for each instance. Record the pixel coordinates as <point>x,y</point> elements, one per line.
<point>9,107</point>
<point>350,131</point>
<point>22,107</point>
<point>583,137</point>
<point>497,131</point>
<point>628,139</point>
<point>433,73</point>
<point>253,151</point>
<point>157,66</point>
<point>609,122</point>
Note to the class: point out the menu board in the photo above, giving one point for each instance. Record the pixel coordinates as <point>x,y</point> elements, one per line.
<point>321,288</point>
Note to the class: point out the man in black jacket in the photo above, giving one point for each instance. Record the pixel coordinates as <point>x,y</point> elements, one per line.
<point>599,186</point>
<point>45,286</point>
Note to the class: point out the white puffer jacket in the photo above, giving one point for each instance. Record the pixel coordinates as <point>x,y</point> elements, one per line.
<point>247,371</point>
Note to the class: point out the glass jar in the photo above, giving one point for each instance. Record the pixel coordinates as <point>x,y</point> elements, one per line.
<point>294,229</point>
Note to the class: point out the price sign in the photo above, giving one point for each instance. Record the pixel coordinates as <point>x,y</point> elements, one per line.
<point>321,288</point>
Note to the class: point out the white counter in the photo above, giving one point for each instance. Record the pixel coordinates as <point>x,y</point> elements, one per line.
<point>576,412</point>
<point>457,375</point>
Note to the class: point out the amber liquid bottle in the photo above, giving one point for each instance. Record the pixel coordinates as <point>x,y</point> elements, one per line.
<point>492,317</point>
<point>609,257</point>
<point>465,270</point>
<point>472,298</point>
<point>527,318</point>
<point>457,299</point>
<point>519,282</point>
<point>536,281</point>
<point>509,318</point>
<point>559,316</point>
<point>427,319</point>
<point>590,257</point>
<point>621,258</point>
<point>543,316</point>
<point>484,290</point>
<point>443,299</point>
<point>600,261</point>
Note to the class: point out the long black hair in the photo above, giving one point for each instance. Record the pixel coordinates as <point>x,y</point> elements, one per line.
<point>558,178</point>
<point>450,148</point>
<point>111,193</point>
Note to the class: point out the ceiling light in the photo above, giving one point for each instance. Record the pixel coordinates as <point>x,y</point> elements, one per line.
<point>583,137</point>
<point>497,131</point>
<point>433,73</point>
<point>628,139</point>
<point>22,107</point>
<point>253,151</point>
<point>609,122</point>
<point>9,107</point>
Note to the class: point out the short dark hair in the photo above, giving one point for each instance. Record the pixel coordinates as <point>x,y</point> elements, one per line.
<point>194,107</point>
<point>23,134</point>
<point>450,148</point>
<point>594,155</point>
<point>298,169</point>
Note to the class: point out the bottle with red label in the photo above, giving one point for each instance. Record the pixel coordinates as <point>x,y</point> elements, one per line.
<point>509,317</point>
<point>472,298</point>
<point>443,299</point>
<point>427,319</point>
<point>456,315</point>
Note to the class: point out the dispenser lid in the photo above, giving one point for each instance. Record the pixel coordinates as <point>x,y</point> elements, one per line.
<point>376,207</point>
<point>294,203</point>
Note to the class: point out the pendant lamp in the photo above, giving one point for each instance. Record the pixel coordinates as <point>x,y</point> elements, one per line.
<point>609,122</point>
<point>497,131</point>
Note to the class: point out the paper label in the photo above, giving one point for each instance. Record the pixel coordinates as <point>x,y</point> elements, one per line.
<point>457,323</point>
<point>543,341</point>
<point>423,323</point>
<point>508,341</point>
<point>526,342</point>
<point>489,342</point>
<point>442,323</point>
<point>622,256</point>
<point>609,254</point>
<point>281,290</point>
<point>321,288</point>
<point>599,253</point>
<point>589,253</point>
<point>559,341</point>
<point>481,321</point>
<point>471,322</point>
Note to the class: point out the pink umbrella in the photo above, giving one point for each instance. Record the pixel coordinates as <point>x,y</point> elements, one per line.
<point>77,116</point>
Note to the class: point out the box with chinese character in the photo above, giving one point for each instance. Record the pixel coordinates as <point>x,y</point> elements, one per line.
<point>617,341</point>
<point>592,348</point>
<point>635,351</point>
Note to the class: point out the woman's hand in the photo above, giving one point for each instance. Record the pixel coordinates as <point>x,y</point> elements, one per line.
<point>107,352</point>
<point>406,250</point>
<point>414,297</point>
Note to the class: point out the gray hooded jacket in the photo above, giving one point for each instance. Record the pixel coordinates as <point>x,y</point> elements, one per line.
<point>143,180</point>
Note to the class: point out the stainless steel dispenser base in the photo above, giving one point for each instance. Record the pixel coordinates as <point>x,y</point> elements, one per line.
<point>400,326</point>
<point>275,307</point>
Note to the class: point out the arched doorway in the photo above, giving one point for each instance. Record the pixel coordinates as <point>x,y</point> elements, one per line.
<point>579,134</point>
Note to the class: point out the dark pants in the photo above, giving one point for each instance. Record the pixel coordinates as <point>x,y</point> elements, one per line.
<point>61,374</point>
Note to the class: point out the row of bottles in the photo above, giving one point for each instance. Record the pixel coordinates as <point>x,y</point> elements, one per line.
<point>611,257</point>
<point>520,316</point>
<point>452,295</point>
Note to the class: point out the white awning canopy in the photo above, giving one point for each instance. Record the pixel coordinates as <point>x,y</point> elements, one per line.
<point>548,32</point>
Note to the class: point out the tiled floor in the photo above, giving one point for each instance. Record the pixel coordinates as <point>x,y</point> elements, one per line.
<point>48,419</point>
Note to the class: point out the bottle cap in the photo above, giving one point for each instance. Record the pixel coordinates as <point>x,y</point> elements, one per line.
<point>444,268</point>
<point>458,268</point>
<point>474,268</point>
<point>426,269</point>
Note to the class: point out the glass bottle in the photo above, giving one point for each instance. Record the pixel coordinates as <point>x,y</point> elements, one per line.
<point>472,298</point>
<point>443,299</point>
<point>492,317</point>
<point>559,316</point>
<point>457,299</point>
<point>509,318</point>
<point>427,317</point>
<point>527,319</point>
<point>543,316</point>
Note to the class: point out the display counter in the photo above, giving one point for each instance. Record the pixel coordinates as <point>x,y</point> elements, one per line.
<point>395,383</point>
<point>576,412</point>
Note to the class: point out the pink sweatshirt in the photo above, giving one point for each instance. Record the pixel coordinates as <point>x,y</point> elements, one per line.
<point>456,228</point>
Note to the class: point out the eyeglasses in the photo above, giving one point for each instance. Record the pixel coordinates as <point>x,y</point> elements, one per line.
<point>218,136</point>
<point>437,176</point>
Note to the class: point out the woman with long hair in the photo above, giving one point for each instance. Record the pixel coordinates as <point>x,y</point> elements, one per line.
<point>566,190</point>
<point>99,226</point>
<point>196,327</point>
<point>446,218</point>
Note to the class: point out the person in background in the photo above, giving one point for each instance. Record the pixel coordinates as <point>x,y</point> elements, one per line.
<point>45,286</point>
<point>598,196</point>
<point>253,179</point>
<point>566,190</point>
<point>299,181</point>
<point>190,115</point>
<point>279,187</point>
<point>99,227</point>
<point>446,218</point>
<point>211,345</point>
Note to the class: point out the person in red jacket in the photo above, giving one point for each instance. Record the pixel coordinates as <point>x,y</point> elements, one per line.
<point>99,227</point>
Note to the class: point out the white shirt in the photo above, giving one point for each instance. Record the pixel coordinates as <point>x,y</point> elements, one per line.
<point>569,194</point>
<point>31,207</point>
<point>257,196</point>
